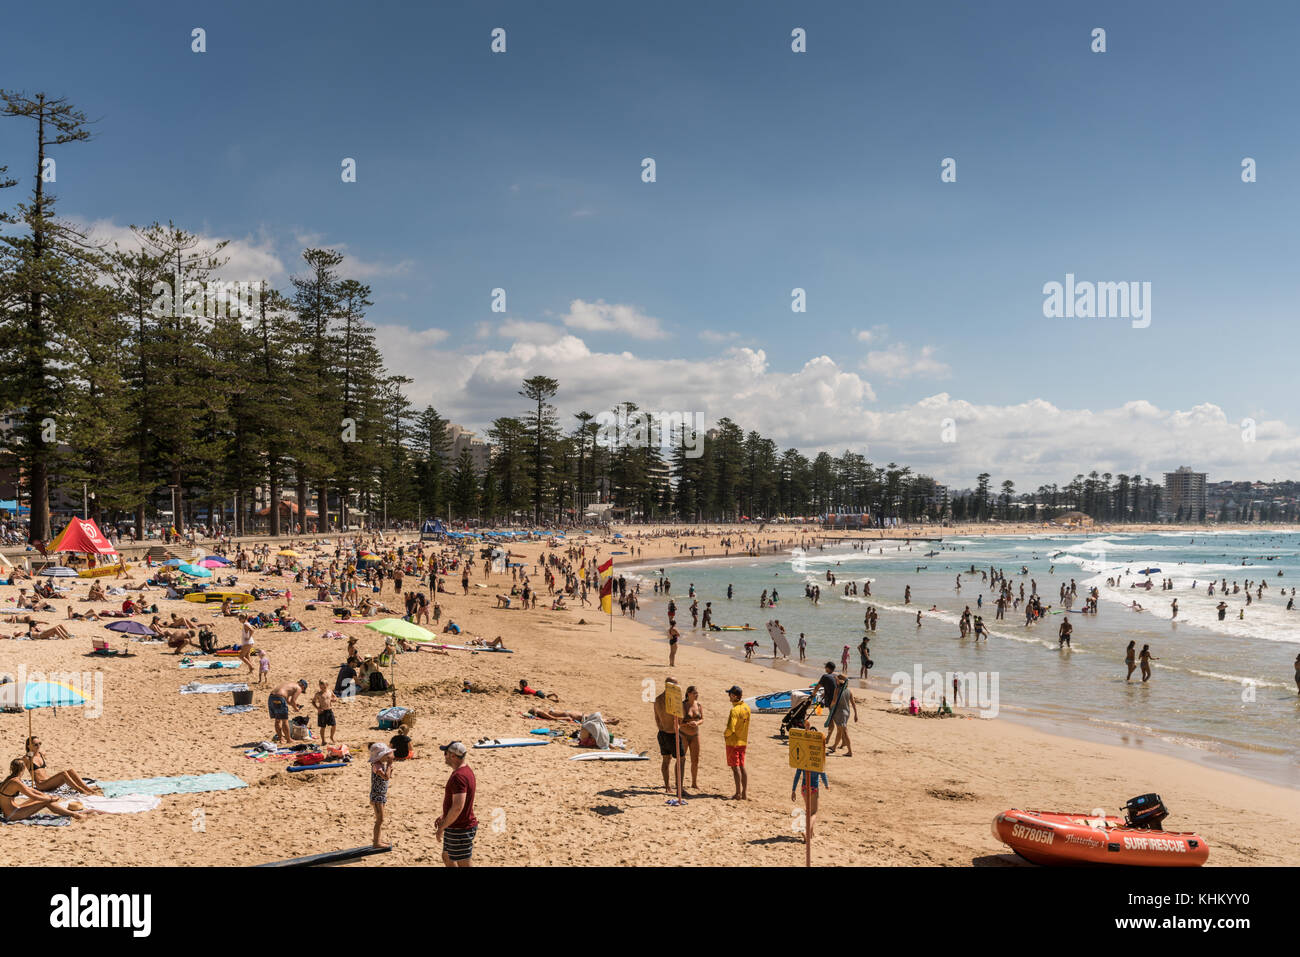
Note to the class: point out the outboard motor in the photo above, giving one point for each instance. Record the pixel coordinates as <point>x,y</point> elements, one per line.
<point>1146,811</point>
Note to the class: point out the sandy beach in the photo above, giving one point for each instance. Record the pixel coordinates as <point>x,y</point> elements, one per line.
<point>914,792</point>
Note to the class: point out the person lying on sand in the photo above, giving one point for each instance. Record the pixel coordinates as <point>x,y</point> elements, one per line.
<point>90,615</point>
<point>496,642</point>
<point>43,778</point>
<point>56,631</point>
<point>575,716</point>
<point>12,788</point>
<point>525,689</point>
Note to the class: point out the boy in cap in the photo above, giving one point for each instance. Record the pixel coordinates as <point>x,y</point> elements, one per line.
<point>736,736</point>
<point>457,824</point>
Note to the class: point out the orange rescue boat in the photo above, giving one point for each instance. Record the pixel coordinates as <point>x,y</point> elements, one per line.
<point>1137,840</point>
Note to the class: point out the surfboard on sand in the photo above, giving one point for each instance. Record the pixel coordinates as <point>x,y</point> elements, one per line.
<point>783,646</point>
<point>778,702</point>
<point>611,756</point>
<point>507,651</point>
<point>102,571</point>
<point>238,597</point>
<point>512,742</point>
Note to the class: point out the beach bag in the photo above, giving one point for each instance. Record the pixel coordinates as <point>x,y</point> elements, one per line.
<point>378,682</point>
<point>207,640</point>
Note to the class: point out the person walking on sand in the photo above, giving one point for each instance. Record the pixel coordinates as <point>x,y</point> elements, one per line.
<point>381,772</point>
<point>247,642</point>
<point>844,700</point>
<point>323,701</point>
<point>263,666</point>
<point>844,659</point>
<point>457,825</point>
<point>673,635</point>
<point>667,736</point>
<point>1130,659</point>
<point>736,738</point>
<point>1145,659</point>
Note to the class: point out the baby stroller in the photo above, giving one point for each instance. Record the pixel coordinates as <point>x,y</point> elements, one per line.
<point>794,718</point>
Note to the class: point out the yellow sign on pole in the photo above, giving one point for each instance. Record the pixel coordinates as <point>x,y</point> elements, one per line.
<point>807,750</point>
<point>673,700</point>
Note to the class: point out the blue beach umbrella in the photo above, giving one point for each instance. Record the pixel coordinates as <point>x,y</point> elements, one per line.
<point>195,571</point>
<point>30,695</point>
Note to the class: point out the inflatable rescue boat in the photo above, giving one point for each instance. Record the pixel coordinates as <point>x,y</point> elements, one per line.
<point>1136,840</point>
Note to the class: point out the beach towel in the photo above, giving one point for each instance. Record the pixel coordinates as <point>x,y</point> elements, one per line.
<point>49,820</point>
<point>261,754</point>
<point>236,708</point>
<point>224,687</point>
<point>594,725</point>
<point>130,804</point>
<point>210,665</point>
<point>181,784</point>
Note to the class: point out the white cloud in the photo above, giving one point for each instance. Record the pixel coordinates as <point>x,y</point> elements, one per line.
<point>711,335</point>
<point>249,258</point>
<point>821,406</point>
<point>897,361</point>
<point>600,316</point>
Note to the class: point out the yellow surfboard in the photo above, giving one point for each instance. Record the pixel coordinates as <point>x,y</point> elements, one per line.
<point>101,571</point>
<point>238,597</point>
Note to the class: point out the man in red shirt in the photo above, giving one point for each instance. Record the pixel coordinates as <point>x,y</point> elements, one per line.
<point>457,824</point>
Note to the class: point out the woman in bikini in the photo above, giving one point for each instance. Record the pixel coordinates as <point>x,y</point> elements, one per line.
<point>693,717</point>
<point>12,788</point>
<point>45,781</point>
<point>1130,659</point>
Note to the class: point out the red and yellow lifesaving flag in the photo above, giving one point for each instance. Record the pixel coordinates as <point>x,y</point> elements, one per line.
<point>607,586</point>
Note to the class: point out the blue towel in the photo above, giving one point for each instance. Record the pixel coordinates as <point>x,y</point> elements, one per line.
<point>210,665</point>
<point>236,708</point>
<point>184,784</point>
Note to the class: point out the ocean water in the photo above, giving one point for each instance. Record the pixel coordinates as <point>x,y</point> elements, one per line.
<point>1222,692</point>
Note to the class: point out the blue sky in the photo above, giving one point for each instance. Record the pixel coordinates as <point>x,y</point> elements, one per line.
<point>775,170</point>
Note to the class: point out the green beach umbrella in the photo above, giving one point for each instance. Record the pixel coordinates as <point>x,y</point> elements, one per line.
<point>401,628</point>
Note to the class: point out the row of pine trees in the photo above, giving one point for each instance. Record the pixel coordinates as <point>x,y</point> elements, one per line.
<point>145,400</point>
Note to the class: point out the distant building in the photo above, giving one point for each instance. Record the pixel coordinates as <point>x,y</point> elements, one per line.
<point>1185,496</point>
<point>460,439</point>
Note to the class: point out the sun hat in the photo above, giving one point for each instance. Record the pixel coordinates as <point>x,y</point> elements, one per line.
<point>379,751</point>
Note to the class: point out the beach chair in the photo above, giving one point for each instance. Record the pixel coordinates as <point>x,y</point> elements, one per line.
<point>99,646</point>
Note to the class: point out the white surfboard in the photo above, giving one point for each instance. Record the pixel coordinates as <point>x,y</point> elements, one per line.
<point>774,631</point>
<point>512,742</point>
<point>611,756</point>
